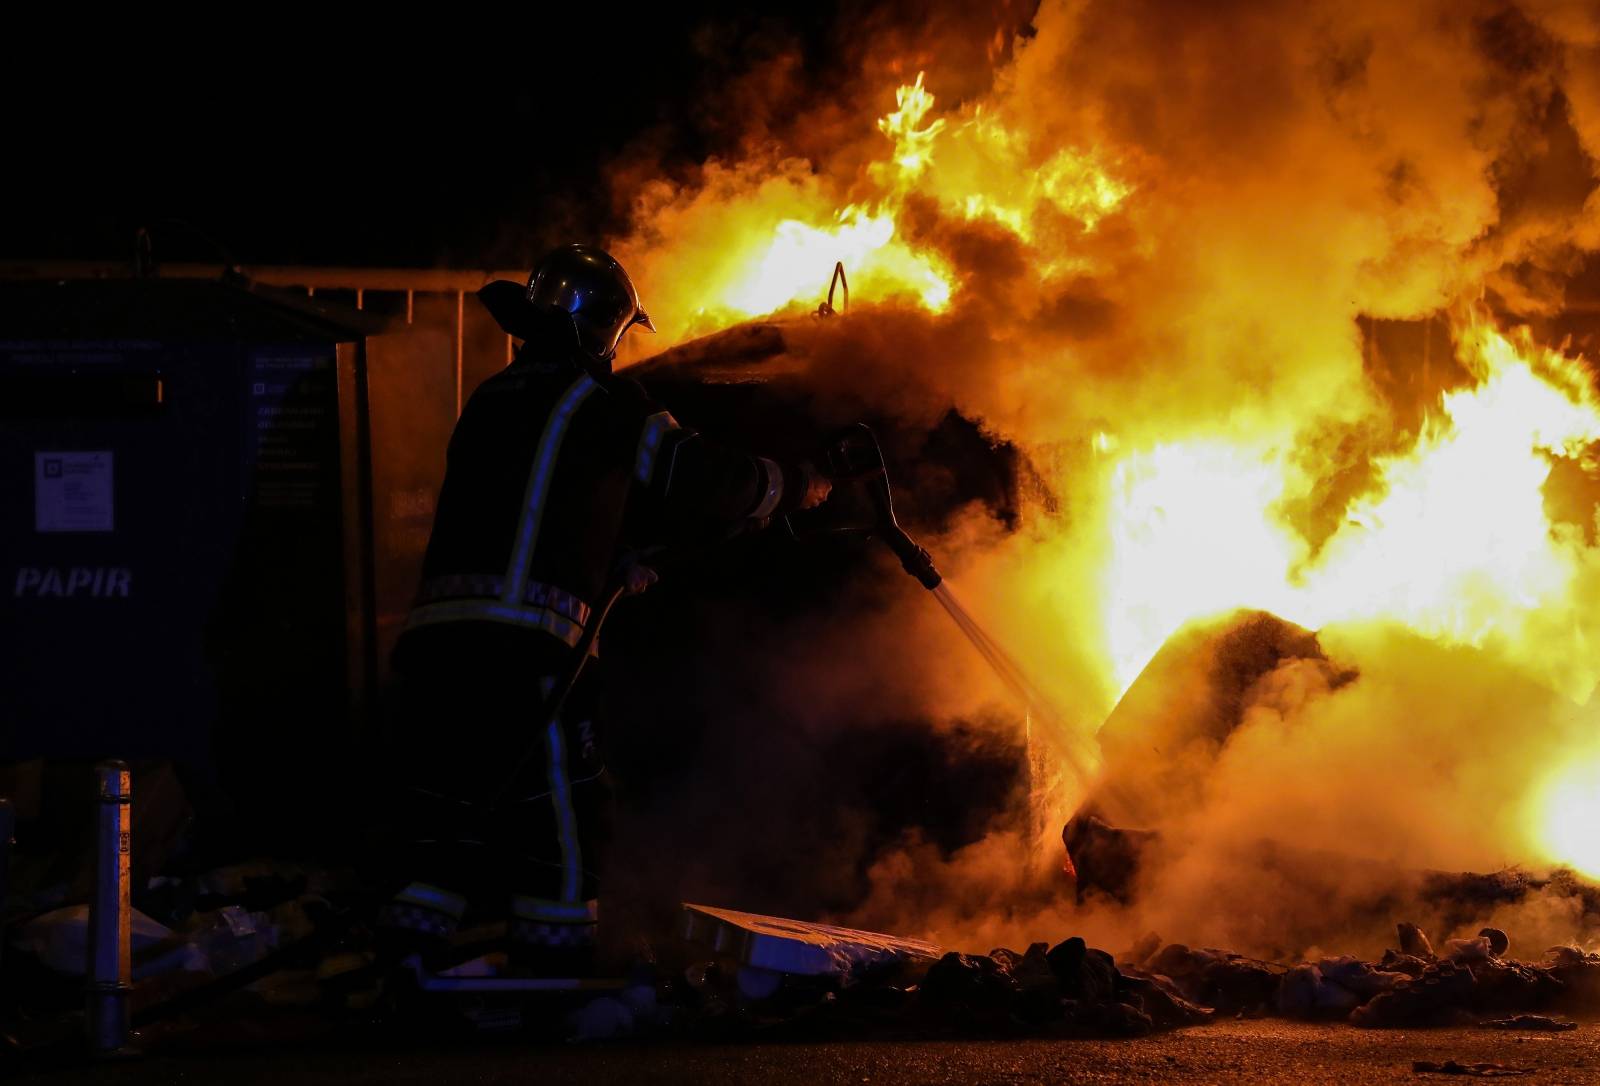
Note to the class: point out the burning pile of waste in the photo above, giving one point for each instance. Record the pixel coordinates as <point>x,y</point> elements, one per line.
<point>1071,986</point>
<point>1320,356</point>
<point>773,975</point>
<point>1290,592</point>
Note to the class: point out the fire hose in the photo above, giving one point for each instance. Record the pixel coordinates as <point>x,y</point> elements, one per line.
<point>864,507</point>
<point>630,578</point>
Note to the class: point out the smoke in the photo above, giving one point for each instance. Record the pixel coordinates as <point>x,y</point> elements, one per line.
<point>1435,760</point>
<point>1243,181</point>
<point>1430,760</point>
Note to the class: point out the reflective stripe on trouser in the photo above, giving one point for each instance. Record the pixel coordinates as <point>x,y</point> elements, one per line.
<point>555,752</point>
<point>553,936</point>
<point>423,909</point>
<point>524,907</point>
<point>542,851</point>
<point>545,923</point>
<point>432,897</point>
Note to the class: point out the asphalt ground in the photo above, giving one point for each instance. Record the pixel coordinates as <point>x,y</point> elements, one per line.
<point>1233,1051</point>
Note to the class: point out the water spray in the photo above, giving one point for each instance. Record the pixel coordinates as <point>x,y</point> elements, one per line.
<point>862,505</point>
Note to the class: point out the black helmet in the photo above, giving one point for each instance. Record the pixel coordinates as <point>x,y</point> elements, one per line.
<point>582,283</point>
<point>591,287</point>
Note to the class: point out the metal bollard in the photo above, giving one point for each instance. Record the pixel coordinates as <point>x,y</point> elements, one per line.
<point>110,972</point>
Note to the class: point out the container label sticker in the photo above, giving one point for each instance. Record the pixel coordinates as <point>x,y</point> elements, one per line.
<point>72,492</point>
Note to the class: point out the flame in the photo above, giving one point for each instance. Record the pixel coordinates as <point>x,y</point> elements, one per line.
<point>782,271</point>
<point>1450,540</point>
<point>913,144</point>
<point>988,173</point>
<point>1454,544</point>
<point>768,245</point>
<point>1568,814</point>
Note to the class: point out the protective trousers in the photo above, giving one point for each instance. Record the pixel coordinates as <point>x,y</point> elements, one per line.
<point>533,857</point>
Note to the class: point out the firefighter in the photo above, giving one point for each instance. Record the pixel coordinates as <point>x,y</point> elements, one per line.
<point>556,468</point>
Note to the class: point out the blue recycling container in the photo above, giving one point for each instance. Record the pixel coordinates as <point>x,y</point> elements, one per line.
<point>184,528</point>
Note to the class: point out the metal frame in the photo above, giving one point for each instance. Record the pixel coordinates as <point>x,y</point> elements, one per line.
<point>358,280</point>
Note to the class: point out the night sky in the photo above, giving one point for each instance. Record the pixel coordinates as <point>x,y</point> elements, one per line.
<point>411,140</point>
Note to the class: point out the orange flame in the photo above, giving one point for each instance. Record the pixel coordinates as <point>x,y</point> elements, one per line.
<point>768,244</point>
<point>1455,545</point>
<point>1452,541</point>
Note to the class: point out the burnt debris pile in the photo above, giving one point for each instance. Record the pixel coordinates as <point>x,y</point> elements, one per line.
<point>1469,981</point>
<point>1072,989</point>
<point>822,979</point>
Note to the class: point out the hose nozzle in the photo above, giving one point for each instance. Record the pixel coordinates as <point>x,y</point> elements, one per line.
<point>855,459</point>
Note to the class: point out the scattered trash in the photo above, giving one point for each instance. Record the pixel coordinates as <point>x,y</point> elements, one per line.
<point>1360,978</point>
<point>232,938</point>
<point>1229,983</point>
<point>59,939</point>
<point>1499,941</point>
<point>1439,997</point>
<point>972,987</point>
<point>758,984</point>
<point>1477,1070</point>
<point>1298,995</point>
<point>1468,950</point>
<point>1414,941</point>
<point>1395,961</point>
<point>798,947</point>
<point>1074,989</point>
<point>602,1019</point>
<point>1145,949</point>
<point>234,929</point>
<point>1541,1023</point>
<point>1084,975</point>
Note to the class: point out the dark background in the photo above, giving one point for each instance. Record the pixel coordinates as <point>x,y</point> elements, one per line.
<point>454,138</point>
<point>427,140</point>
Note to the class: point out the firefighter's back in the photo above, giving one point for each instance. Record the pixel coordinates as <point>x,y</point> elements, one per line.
<point>529,518</point>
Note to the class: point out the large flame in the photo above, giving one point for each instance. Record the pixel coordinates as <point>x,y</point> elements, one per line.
<point>768,244</point>
<point>1451,539</point>
<point>1454,543</point>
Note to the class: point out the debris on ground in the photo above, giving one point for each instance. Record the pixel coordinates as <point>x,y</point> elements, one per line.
<point>1541,1023</point>
<point>798,947</point>
<point>1476,1070</point>
<point>1472,981</point>
<point>1413,941</point>
<point>59,939</point>
<point>836,978</point>
<point>1499,941</point>
<point>845,979</point>
<point>268,937</point>
<point>1073,989</point>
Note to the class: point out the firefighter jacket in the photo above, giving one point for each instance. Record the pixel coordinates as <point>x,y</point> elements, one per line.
<point>554,470</point>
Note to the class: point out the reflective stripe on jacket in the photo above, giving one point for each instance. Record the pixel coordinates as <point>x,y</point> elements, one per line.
<point>550,473</point>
